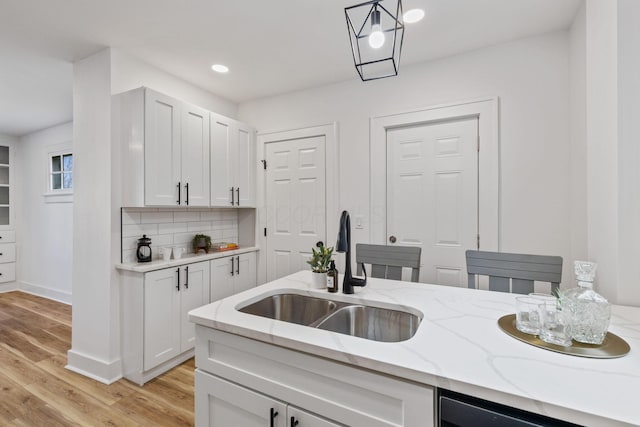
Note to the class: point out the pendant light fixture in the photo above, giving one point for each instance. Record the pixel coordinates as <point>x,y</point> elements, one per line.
<point>376,37</point>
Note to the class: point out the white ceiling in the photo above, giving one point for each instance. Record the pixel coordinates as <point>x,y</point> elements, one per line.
<point>271,47</point>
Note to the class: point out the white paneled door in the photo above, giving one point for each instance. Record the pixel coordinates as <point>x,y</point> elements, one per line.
<point>295,203</point>
<point>432,195</point>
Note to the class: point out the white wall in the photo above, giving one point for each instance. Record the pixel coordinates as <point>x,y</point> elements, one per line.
<point>531,77</point>
<point>44,229</point>
<point>128,72</point>
<point>578,152</point>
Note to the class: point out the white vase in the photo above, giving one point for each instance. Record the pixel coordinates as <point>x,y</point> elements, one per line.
<point>318,280</point>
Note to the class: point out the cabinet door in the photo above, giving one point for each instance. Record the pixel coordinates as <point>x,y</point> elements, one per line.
<point>221,403</point>
<point>161,149</point>
<point>162,322</point>
<point>245,277</point>
<point>222,278</point>
<point>302,418</point>
<point>245,166</point>
<point>194,293</point>
<point>220,163</point>
<point>195,156</point>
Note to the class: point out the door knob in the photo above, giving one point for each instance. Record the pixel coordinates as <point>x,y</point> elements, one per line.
<point>392,239</point>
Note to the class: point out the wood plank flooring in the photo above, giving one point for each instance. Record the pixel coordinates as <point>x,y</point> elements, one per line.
<point>36,390</point>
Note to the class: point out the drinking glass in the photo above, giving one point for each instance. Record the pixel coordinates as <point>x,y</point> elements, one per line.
<point>527,317</point>
<point>554,324</point>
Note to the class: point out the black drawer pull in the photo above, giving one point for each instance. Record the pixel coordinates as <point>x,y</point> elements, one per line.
<point>274,414</point>
<point>294,422</point>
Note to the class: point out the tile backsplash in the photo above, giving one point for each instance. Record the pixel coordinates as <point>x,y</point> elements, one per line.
<point>175,227</point>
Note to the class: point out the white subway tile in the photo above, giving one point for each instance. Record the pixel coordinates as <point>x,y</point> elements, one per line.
<point>210,215</point>
<point>199,226</point>
<point>186,216</point>
<point>139,229</point>
<point>172,228</point>
<point>130,217</point>
<point>156,217</point>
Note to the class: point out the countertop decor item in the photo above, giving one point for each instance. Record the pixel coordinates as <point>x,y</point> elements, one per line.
<point>612,346</point>
<point>376,34</point>
<point>201,241</point>
<point>588,310</point>
<point>319,263</point>
<point>143,252</point>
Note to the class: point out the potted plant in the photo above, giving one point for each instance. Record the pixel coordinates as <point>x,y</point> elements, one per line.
<point>201,241</point>
<point>319,263</point>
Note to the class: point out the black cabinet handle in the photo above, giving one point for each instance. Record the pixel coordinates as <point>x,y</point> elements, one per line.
<point>232,270</point>
<point>294,422</point>
<point>186,277</point>
<point>274,414</point>
<point>0,253</point>
<point>186,186</point>
<point>179,188</point>
<point>238,265</point>
<point>238,196</point>
<point>232,197</point>
<point>178,285</point>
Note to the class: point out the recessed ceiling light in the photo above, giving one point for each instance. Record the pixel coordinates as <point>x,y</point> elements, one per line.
<point>219,68</point>
<point>413,15</point>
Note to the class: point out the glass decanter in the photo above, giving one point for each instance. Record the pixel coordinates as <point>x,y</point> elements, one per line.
<point>589,311</point>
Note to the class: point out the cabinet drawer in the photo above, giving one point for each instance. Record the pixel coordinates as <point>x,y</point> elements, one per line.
<point>7,252</point>
<point>7,272</point>
<point>7,236</point>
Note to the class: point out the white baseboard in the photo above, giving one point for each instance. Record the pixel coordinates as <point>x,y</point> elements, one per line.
<point>45,292</point>
<point>99,370</point>
<point>9,287</point>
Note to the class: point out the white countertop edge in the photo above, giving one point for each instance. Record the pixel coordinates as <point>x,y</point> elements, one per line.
<point>353,351</point>
<point>145,267</point>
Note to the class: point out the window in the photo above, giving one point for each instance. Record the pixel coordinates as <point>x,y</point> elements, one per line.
<point>61,172</point>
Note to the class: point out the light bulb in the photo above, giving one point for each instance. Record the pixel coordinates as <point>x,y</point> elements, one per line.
<point>376,38</point>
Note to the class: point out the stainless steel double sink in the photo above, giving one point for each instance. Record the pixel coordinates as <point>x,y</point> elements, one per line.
<point>358,320</point>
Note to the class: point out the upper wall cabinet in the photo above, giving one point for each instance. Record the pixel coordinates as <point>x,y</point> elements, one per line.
<point>233,163</point>
<point>164,147</point>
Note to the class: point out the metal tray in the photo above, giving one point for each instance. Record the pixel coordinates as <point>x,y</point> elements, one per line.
<point>613,346</point>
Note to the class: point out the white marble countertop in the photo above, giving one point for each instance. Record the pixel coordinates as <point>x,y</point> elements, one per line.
<point>460,347</point>
<point>145,267</point>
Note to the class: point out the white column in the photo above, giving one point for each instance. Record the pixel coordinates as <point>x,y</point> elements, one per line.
<point>95,348</point>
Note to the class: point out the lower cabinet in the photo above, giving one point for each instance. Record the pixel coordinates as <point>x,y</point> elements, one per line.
<point>222,403</point>
<point>243,382</point>
<point>157,334</point>
<point>7,256</point>
<point>233,274</point>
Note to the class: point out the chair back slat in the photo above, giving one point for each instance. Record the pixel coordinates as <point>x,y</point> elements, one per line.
<point>387,261</point>
<point>515,273</point>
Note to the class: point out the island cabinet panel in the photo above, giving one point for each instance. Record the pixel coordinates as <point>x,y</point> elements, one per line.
<point>226,404</point>
<point>328,390</point>
<point>231,275</point>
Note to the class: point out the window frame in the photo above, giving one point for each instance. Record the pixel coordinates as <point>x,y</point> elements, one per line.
<point>60,195</point>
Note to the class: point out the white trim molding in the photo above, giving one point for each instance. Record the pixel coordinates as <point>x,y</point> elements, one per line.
<point>99,370</point>
<point>332,179</point>
<point>487,112</point>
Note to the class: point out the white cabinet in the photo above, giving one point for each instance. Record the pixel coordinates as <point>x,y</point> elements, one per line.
<point>7,256</point>
<point>221,403</point>
<point>157,334</point>
<point>233,163</point>
<point>164,146</point>
<point>240,381</point>
<point>230,275</point>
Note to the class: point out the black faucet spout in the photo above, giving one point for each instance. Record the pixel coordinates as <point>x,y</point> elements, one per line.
<point>344,245</point>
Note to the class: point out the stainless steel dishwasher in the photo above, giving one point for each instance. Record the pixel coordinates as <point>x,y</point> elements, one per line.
<point>459,410</point>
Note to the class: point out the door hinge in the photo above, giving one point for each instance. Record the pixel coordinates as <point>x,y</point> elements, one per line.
<point>478,242</point>
<point>265,232</point>
<point>264,164</point>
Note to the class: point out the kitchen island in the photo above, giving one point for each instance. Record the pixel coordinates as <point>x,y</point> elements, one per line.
<point>458,346</point>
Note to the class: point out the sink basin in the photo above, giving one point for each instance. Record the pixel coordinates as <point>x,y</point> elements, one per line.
<point>292,308</point>
<point>372,323</point>
<point>363,321</point>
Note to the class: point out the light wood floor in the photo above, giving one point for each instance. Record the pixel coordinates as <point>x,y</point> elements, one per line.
<point>36,389</point>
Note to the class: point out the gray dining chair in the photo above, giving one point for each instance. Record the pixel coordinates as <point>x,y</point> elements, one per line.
<point>513,273</point>
<point>387,261</point>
